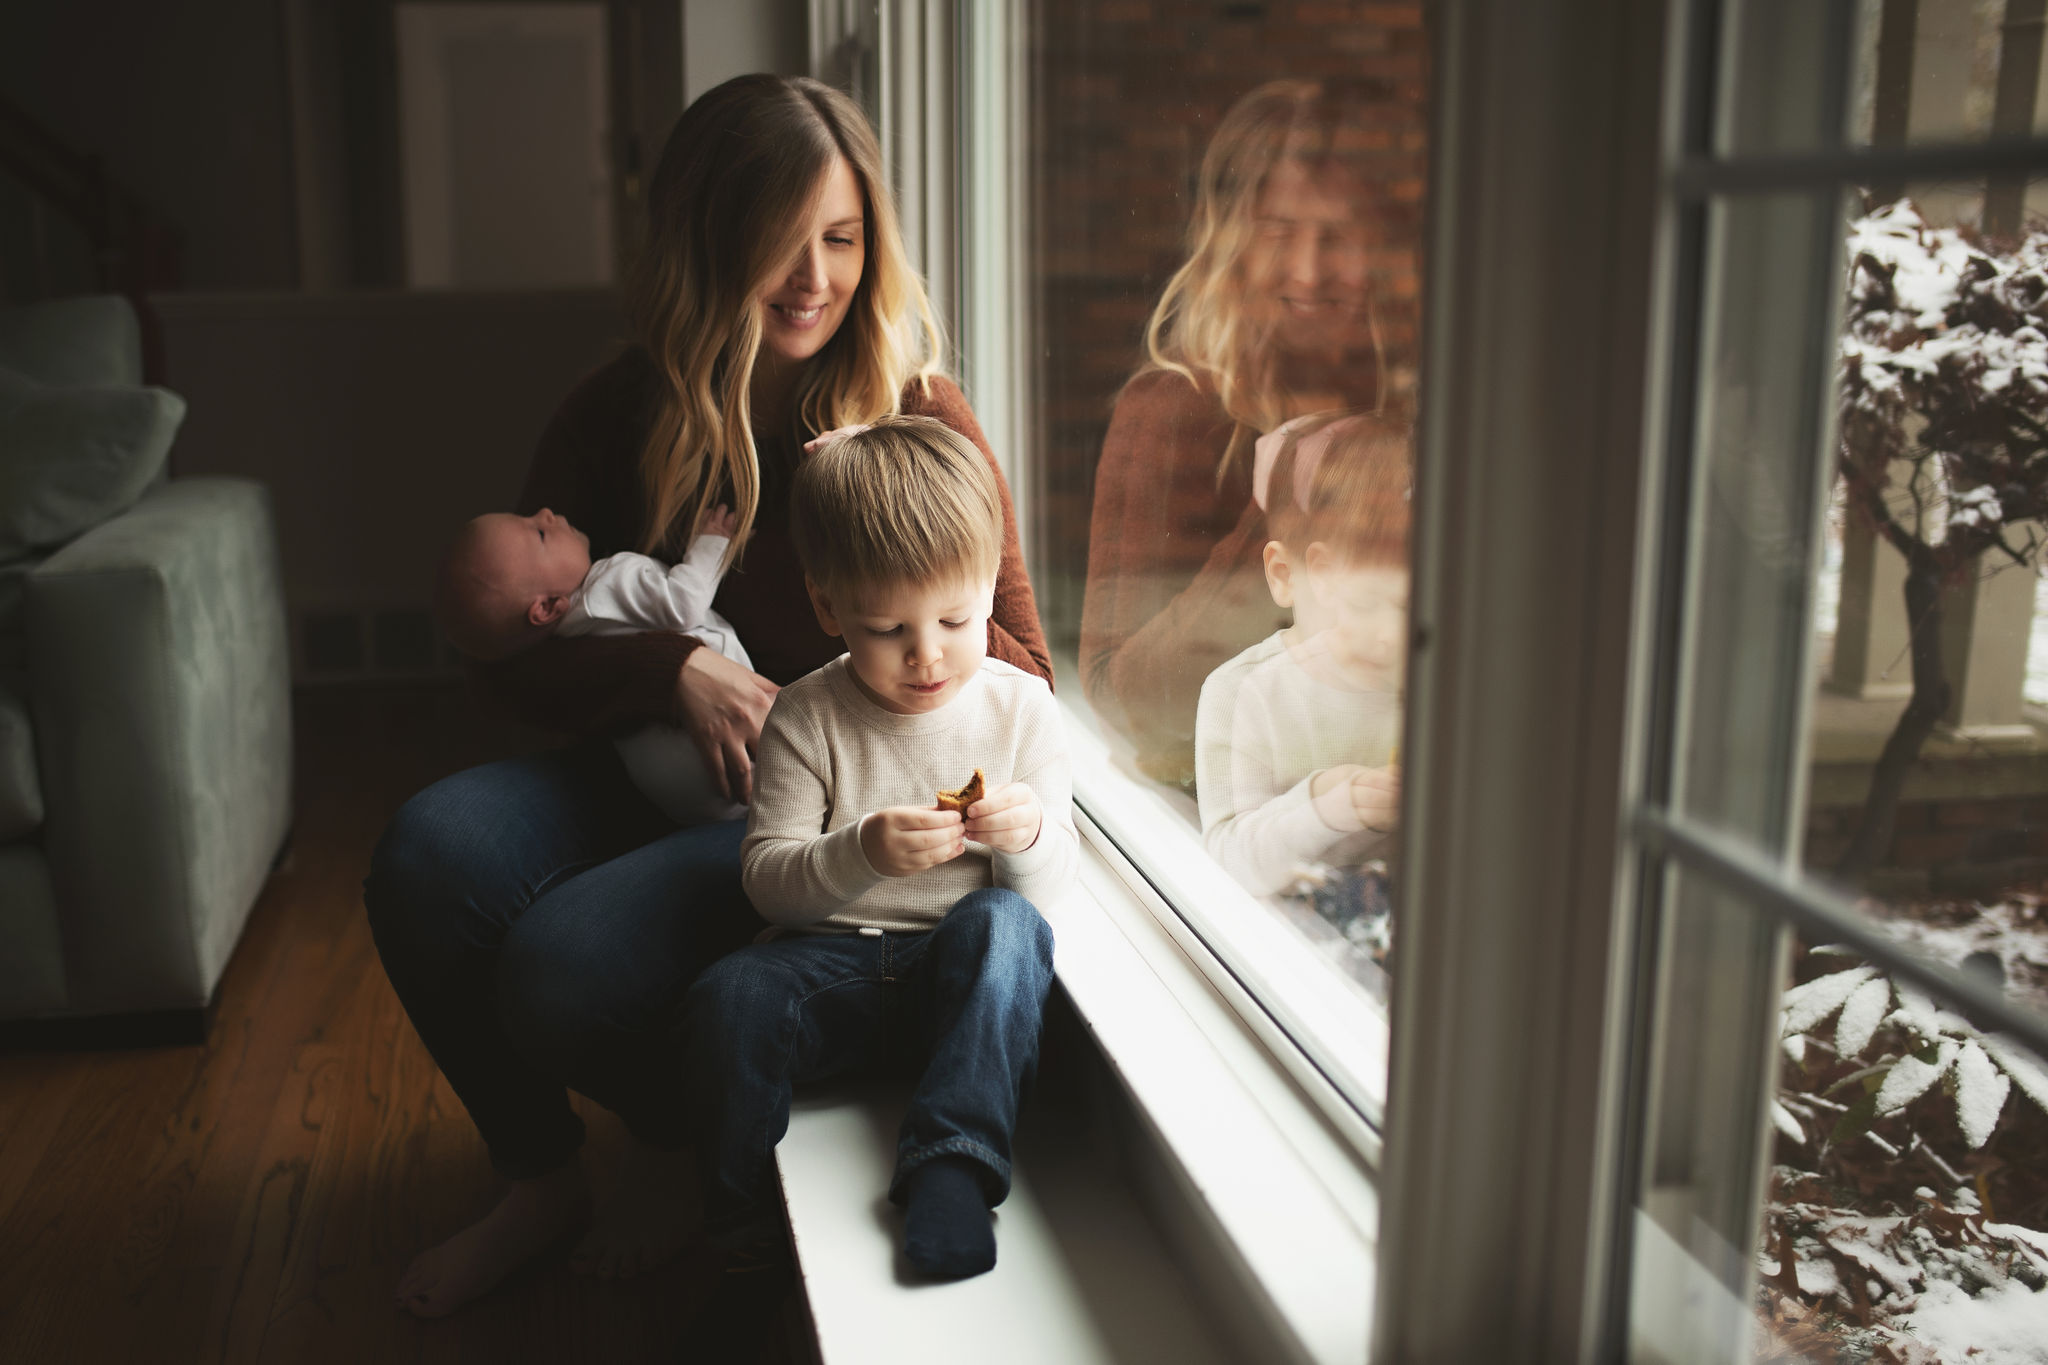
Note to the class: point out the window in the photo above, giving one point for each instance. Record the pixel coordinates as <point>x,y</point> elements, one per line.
<point>1886,1198</point>
<point>1697,1051</point>
<point>1228,205</point>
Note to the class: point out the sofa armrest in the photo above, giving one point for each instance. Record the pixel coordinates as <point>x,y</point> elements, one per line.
<point>159,675</point>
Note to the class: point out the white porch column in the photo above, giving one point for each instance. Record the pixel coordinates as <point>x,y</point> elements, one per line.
<point>1985,629</point>
<point>1870,631</point>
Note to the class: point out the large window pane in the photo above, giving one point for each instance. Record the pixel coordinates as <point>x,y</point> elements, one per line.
<point>1909,1143</point>
<point>1230,211</point>
<point>1897,1210</point>
<point>1891,73</point>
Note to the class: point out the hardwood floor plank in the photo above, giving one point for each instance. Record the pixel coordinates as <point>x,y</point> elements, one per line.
<point>256,1199</point>
<point>35,1092</point>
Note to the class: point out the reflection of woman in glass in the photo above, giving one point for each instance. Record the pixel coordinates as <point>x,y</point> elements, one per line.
<point>1273,316</point>
<point>539,918</point>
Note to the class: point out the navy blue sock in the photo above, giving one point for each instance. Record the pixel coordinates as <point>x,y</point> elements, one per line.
<point>946,1230</point>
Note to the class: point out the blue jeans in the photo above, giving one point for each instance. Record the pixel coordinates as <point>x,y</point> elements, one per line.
<point>963,1001</point>
<point>541,922</point>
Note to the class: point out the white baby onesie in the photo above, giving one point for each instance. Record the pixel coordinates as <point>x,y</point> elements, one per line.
<point>627,593</point>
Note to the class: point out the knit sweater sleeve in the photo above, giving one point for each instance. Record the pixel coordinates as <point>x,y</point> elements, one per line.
<point>1163,610</point>
<point>793,874</point>
<point>1015,634</point>
<point>599,683</point>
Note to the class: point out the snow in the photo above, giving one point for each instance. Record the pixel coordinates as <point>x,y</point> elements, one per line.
<point>1807,1005</point>
<point>2021,1065</point>
<point>2006,1325</point>
<point>1911,1078</point>
<point>1981,1089</point>
<point>1787,1123</point>
<point>1861,1014</point>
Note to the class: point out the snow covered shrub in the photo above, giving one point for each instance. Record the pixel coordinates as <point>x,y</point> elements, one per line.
<point>1944,438</point>
<point>1925,1046</point>
<point>1879,1241</point>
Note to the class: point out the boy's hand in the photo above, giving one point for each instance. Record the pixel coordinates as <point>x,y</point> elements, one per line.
<point>903,840</point>
<point>1376,798</point>
<point>718,521</point>
<point>1007,819</point>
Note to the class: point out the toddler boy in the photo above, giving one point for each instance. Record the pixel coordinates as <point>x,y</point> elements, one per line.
<point>900,927</point>
<point>510,582</point>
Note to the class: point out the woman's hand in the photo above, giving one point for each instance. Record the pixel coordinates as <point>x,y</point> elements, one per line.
<point>1007,819</point>
<point>903,840</point>
<point>723,705</point>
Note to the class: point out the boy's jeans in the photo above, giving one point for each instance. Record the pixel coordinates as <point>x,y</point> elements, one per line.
<point>965,998</point>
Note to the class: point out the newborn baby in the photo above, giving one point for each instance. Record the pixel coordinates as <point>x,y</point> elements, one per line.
<point>509,582</point>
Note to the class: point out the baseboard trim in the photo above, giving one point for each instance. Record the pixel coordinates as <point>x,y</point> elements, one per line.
<point>109,1032</point>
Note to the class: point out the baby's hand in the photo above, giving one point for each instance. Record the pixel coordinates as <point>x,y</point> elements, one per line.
<point>822,437</point>
<point>1007,819</point>
<point>904,840</point>
<point>718,521</point>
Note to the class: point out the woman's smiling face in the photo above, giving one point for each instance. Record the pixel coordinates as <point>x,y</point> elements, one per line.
<point>802,308</point>
<point>1307,265</point>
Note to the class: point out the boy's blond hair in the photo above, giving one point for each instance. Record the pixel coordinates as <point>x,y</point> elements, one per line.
<point>905,500</point>
<point>1355,497</point>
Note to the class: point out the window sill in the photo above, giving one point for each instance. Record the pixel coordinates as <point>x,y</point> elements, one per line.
<point>1255,1157</point>
<point>1231,1157</point>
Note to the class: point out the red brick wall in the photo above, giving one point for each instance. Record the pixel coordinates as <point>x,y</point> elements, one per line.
<point>1944,846</point>
<point>1127,93</point>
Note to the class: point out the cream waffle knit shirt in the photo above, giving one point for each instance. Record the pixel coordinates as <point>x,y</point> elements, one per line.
<point>828,756</point>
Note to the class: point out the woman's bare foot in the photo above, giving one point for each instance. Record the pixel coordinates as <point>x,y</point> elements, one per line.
<point>645,1214</point>
<point>531,1216</point>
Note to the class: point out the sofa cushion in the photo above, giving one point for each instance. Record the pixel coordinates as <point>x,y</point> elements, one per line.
<point>13,624</point>
<point>71,457</point>
<point>92,339</point>
<point>21,793</point>
<point>32,978</point>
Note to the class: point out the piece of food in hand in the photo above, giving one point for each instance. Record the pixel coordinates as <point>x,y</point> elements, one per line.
<point>961,798</point>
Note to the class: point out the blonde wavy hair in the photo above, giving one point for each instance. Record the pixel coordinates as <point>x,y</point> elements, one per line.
<point>1200,328</point>
<point>730,205</point>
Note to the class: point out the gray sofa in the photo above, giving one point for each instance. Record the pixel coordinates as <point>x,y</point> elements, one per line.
<point>145,704</point>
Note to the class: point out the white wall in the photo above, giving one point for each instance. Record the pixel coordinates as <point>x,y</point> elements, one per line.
<point>380,421</point>
<point>727,38</point>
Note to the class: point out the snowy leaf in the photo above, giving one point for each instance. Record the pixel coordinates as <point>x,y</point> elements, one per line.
<point>1910,1079</point>
<point>1805,1006</point>
<point>1981,1089</point>
<point>2021,1065</point>
<point>1861,1014</point>
<point>1795,1048</point>
<point>1787,1124</point>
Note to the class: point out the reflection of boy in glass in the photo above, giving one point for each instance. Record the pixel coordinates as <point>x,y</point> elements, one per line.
<point>1296,737</point>
<point>1307,197</point>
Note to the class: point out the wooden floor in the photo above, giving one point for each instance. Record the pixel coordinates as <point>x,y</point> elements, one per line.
<point>255,1199</point>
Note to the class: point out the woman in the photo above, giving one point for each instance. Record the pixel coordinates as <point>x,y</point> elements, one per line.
<point>1274,315</point>
<point>539,918</point>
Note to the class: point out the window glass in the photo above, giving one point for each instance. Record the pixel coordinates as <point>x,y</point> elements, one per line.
<point>1908,1186</point>
<point>1230,206</point>
<point>1834,1162</point>
<point>1894,73</point>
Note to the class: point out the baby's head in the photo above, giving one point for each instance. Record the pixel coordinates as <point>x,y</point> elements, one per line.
<point>1336,494</point>
<point>507,581</point>
<point>900,529</point>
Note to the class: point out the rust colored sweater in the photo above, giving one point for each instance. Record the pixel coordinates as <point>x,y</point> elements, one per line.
<point>587,468</point>
<point>1176,578</point>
